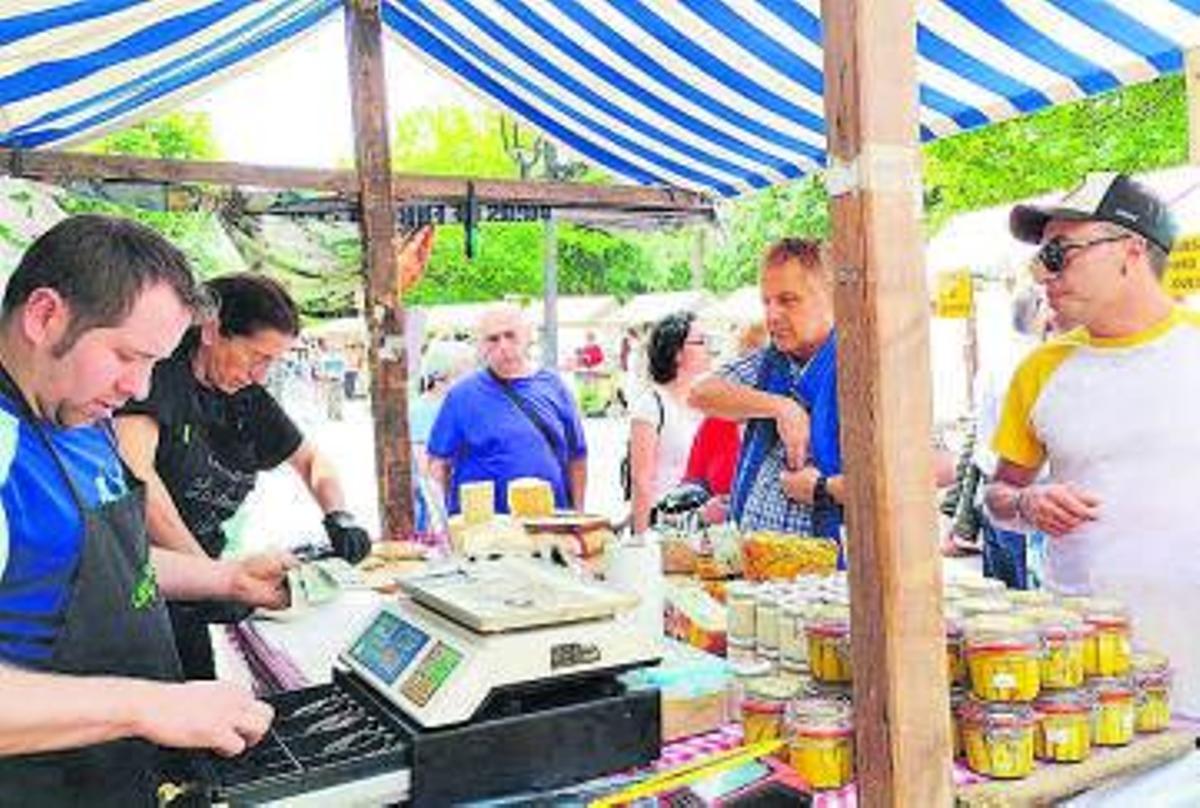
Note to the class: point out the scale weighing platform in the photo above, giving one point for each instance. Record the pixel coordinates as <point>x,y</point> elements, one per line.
<point>493,677</point>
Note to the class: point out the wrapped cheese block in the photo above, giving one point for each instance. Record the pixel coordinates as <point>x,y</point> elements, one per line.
<point>477,501</point>
<point>530,497</point>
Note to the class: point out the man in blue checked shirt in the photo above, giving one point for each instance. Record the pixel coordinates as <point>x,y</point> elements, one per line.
<point>789,471</point>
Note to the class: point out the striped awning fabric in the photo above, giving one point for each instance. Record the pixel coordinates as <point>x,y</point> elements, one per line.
<point>722,96</point>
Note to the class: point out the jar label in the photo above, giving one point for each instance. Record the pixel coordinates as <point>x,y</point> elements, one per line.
<point>1004,681</point>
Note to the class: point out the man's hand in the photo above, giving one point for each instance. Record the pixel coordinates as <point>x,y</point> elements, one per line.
<point>800,484</point>
<point>412,256</point>
<point>220,716</point>
<point>792,422</point>
<point>1057,509</point>
<point>348,540</point>
<point>715,510</point>
<point>261,580</point>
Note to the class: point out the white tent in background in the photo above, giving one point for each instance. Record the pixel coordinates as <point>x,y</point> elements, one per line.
<point>736,308</point>
<point>650,307</point>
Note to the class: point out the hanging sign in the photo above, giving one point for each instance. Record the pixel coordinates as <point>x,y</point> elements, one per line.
<point>953,295</point>
<point>1182,277</point>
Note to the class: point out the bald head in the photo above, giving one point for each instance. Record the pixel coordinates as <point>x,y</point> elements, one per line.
<point>503,338</point>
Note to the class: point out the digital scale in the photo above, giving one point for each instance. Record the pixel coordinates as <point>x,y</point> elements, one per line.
<point>492,677</point>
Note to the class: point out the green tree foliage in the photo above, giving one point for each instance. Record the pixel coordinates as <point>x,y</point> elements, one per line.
<point>1138,128</point>
<point>451,141</point>
<point>174,136</point>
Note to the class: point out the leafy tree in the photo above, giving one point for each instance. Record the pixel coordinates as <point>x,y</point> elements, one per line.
<point>174,136</point>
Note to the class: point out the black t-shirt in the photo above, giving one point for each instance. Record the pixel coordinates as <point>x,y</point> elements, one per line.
<point>211,445</point>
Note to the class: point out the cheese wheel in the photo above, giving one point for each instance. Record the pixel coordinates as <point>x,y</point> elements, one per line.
<point>477,501</point>
<point>530,498</point>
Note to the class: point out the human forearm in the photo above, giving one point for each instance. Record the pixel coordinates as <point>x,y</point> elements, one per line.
<point>165,525</point>
<point>716,396</point>
<point>42,712</point>
<point>577,471</point>
<point>320,478</point>
<point>182,576</point>
<point>1003,501</point>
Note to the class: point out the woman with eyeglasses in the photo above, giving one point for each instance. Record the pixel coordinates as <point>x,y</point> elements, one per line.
<point>662,425</point>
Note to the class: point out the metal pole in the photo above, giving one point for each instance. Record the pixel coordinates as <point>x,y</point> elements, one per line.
<point>550,294</point>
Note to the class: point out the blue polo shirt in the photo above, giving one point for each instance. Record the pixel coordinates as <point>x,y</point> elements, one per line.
<point>41,529</point>
<point>485,436</point>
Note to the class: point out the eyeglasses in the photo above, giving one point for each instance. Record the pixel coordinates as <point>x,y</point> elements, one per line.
<point>707,342</point>
<point>1055,253</point>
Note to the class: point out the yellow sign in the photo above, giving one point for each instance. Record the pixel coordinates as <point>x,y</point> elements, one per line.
<point>1182,277</point>
<point>953,295</point>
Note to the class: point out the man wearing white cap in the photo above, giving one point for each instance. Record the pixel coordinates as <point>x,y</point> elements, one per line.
<point>1104,407</point>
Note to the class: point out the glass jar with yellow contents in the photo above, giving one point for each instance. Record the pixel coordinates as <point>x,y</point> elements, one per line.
<point>998,738</point>
<point>828,634</point>
<point>1064,637</point>
<point>744,673</point>
<point>1064,726</point>
<point>1152,681</point>
<point>1003,655</point>
<point>956,663</point>
<point>764,706</point>
<point>1113,719</point>
<point>1107,650</point>
<point>820,744</point>
<point>793,645</point>
<point>766,624</point>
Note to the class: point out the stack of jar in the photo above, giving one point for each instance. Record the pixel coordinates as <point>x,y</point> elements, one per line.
<point>1048,679</point>
<point>788,645</point>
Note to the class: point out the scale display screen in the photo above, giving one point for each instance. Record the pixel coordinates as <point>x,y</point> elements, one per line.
<point>388,645</point>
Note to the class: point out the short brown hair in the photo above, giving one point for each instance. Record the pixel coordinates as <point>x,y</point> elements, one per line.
<point>249,302</point>
<point>100,265</point>
<point>809,253</point>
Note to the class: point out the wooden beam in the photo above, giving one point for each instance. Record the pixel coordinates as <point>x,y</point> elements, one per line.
<point>55,166</point>
<point>898,642</point>
<point>1191,72</point>
<point>385,316</point>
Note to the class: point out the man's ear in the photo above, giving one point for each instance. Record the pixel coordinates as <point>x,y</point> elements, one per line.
<point>45,317</point>
<point>210,330</point>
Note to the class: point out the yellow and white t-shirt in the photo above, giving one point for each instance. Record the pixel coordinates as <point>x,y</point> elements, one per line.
<point>1116,418</point>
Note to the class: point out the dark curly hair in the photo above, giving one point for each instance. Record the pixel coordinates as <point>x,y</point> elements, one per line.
<point>666,343</point>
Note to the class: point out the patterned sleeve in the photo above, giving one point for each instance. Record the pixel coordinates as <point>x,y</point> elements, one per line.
<point>744,370</point>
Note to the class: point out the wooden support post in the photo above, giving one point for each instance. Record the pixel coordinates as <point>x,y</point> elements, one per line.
<point>385,315</point>
<point>1191,72</point>
<point>898,638</point>
<point>550,294</point>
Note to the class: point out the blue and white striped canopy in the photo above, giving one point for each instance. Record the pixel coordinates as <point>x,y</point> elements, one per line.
<point>714,95</point>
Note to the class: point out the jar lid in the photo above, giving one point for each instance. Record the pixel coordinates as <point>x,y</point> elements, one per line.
<point>772,688</point>
<point>1106,613</point>
<point>740,589</point>
<point>1149,662</point>
<point>820,718</point>
<point>1056,702</point>
<point>1030,597</point>
<point>751,668</point>
<point>1112,688</point>
<point>998,715</point>
<point>829,621</point>
<point>1000,632</point>
<point>1060,624</point>
<point>984,605</point>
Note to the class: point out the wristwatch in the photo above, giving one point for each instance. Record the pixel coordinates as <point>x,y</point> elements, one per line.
<point>821,489</point>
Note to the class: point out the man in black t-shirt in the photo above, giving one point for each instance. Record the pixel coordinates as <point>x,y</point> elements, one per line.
<point>208,427</point>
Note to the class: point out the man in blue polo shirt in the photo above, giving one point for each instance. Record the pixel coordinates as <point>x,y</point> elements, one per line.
<point>509,420</point>
<point>90,683</point>
<point>789,472</point>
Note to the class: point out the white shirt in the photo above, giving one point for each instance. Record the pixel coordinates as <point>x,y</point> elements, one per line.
<point>679,425</point>
<point>1116,417</point>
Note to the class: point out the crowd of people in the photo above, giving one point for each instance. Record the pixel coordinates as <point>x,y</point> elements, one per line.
<point>134,421</point>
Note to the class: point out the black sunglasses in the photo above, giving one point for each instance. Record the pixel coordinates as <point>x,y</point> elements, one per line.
<point>1055,253</point>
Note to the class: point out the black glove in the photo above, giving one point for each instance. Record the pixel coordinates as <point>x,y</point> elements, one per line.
<point>348,540</point>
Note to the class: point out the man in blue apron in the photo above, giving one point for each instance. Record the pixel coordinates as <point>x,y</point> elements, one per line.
<point>90,684</point>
